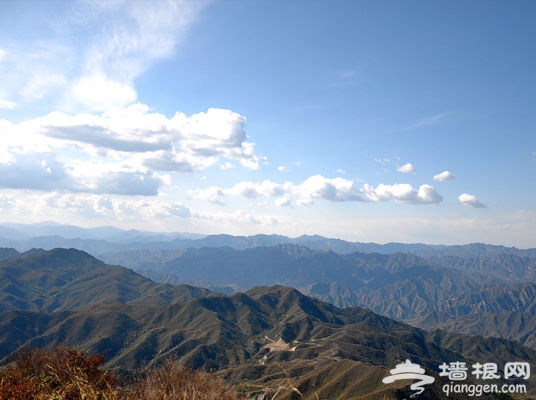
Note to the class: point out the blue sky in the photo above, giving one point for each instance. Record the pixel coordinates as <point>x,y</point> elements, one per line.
<point>407,121</point>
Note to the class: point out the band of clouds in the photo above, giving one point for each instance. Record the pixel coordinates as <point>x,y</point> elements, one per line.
<point>318,187</point>
<point>339,189</point>
<point>68,207</point>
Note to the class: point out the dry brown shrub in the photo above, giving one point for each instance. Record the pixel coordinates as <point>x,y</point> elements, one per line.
<point>62,374</point>
<point>173,381</point>
<point>69,374</point>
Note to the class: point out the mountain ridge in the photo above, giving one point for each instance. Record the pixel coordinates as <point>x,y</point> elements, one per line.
<point>109,240</point>
<point>266,339</point>
<point>403,286</point>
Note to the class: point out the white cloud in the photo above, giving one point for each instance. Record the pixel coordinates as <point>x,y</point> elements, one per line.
<point>43,82</point>
<point>120,151</point>
<point>318,187</point>
<point>471,201</point>
<point>124,182</point>
<point>238,217</point>
<point>382,161</point>
<point>444,176</point>
<point>120,208</point>
<point>246,189</point>
<point>336,189</point>
<point>265,188</point>
<point>32,71</point>
<point>434,119</point>
<point>6,202</point>
<point>403,193</point>
<point>406,168</point>
<point>88,54</point>
<point>211,194</point>
<point>130,37</point>
<point>7,105</point>
<point>89,90</point>
<point>41,171</point>
<point>285,201</point>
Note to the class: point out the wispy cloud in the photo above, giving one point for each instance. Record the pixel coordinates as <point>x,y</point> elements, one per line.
<point>432,120</point>
<point>346,78</point>
<point>89,55</point>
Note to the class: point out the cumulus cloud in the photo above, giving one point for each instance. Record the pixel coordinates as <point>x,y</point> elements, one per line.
<point>179,143</point>
<point>318,187</point>
<point>41,171</point>
<point>44,172</point>
<point>444,176</point>
<point>403,193</point>
<point>127,183</point>
<point>121,151</point>
<point>336,189</point>
<point>470,201</point>
<point>406,168</point>
<point>86,206</point>
<point>211,194</point>
<point>255,189</point>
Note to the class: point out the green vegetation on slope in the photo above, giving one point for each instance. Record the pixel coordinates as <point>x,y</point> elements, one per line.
<point>270,341</point>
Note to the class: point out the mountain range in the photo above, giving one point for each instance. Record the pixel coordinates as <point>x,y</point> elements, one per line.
<point>268,340</point>
<point>464,288</point>
<point>108,240</point>
<point>448,292</point>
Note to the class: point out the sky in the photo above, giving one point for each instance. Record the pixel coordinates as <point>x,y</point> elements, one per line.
<point>365,120</point>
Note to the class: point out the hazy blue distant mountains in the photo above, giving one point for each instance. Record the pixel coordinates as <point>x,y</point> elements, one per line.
<point>266,339</point>
<point>467,288</point>
<point>107,240</point>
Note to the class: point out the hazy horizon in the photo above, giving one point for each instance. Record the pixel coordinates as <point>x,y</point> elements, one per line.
<point>73,232</point>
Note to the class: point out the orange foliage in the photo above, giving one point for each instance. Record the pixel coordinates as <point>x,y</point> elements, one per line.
<point>69,374</point>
